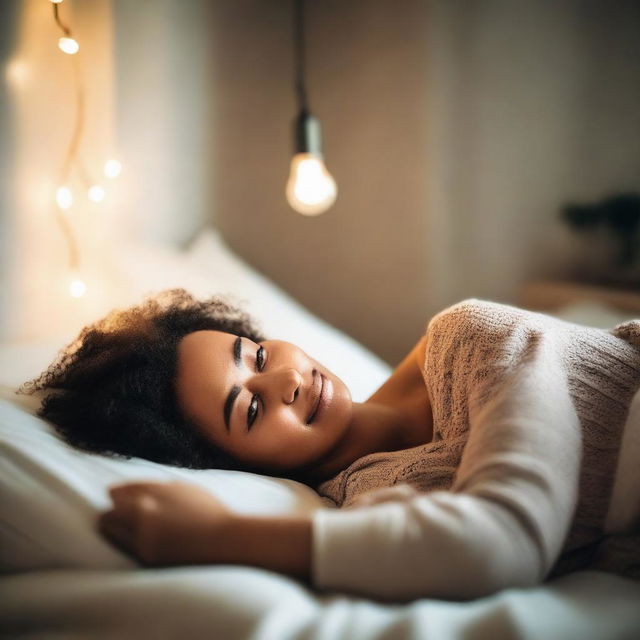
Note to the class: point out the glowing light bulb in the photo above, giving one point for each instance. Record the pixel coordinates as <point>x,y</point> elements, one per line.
<point>68,45</point>
<point>310,189</point>
<point>56,1</point>
<point>64,197</point>
<point>17,72</point>
<point>112,168</point>
<point>77,287</point>
<point>96,193</point>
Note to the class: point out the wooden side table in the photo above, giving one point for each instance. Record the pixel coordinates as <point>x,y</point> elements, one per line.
<point>545,295</point>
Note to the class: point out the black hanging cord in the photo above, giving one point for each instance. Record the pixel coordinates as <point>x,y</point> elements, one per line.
<point>56,16</point>
<point>298,19</point>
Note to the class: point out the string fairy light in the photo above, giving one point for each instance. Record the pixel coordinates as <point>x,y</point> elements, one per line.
<point>67,43</point>
<point>73,165</point>
<point>112,169</point>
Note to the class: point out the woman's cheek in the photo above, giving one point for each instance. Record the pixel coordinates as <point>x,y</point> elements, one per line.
<point>272,436</point>
<point>290,445</point>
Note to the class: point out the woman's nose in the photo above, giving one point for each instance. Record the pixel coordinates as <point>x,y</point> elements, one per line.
<point>283,383</point>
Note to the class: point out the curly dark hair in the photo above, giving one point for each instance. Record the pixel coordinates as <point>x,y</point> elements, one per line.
<point>112,390</point>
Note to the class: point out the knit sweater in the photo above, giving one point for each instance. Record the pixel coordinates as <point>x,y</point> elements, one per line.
<point>528,416</point>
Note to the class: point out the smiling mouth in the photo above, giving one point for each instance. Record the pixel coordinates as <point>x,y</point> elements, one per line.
<point>316,404</point>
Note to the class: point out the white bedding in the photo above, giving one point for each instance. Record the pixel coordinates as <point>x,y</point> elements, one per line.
<point>62,580</point>
<point>242,603</point>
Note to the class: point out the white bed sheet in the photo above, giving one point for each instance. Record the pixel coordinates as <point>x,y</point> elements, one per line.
<point>242,603</point>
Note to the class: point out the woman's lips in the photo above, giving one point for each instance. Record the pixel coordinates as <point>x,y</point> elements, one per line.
<point>323,400</point>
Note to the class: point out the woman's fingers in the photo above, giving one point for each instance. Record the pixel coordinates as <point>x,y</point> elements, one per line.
<point>123,492</point>
<point>123,524</point>
<point>133,499</point>
<point>146,492</point>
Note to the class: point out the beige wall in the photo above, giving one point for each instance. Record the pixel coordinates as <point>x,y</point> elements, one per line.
<point>361,265</point>
<point>166,91</point>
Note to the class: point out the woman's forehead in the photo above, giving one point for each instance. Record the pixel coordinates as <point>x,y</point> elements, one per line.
<point>204,348</point>
<point>206,338</point>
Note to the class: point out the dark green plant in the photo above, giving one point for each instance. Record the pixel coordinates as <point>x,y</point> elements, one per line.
<point>620,214</point>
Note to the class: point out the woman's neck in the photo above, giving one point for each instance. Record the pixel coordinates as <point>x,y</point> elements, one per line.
<point>374,427</point>
<point>397,416</point>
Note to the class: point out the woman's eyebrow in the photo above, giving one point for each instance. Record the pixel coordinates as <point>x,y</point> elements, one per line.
<point>235,390</point>
<point>237,351</point>
<point>228,405</point>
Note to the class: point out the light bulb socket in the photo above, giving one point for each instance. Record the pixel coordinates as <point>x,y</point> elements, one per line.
<point>307,134</point>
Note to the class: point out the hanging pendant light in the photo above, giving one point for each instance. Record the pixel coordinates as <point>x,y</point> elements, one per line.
<point>311,189</point>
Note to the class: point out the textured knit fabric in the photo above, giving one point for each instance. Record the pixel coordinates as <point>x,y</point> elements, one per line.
<point>528,415</point>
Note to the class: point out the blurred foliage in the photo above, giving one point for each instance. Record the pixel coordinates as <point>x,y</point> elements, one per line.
<point>619,215</point>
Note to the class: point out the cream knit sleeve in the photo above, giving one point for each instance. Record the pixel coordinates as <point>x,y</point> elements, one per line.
<point>505,520</point>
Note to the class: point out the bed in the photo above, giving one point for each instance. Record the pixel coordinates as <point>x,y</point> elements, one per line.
<point>62,580</point>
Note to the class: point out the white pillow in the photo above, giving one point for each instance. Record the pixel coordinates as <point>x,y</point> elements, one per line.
<point>51,493</point>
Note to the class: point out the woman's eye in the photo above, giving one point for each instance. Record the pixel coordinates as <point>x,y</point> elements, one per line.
<point>252,413</point>
<point>260,359</point>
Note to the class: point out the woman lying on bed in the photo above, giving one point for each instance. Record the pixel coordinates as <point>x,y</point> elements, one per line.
<point>487,459</point>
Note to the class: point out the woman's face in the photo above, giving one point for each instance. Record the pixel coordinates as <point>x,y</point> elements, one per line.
<point>268,405</point>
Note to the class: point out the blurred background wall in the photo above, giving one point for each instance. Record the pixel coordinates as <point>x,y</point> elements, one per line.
<point>455,132</point>
<point>167,132</point>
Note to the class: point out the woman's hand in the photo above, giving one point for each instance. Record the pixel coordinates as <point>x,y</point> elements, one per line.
<point>167,523</point>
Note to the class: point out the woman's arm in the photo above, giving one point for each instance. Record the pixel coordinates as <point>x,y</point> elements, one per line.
<point>503,522</point>
<point>275,543</point>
